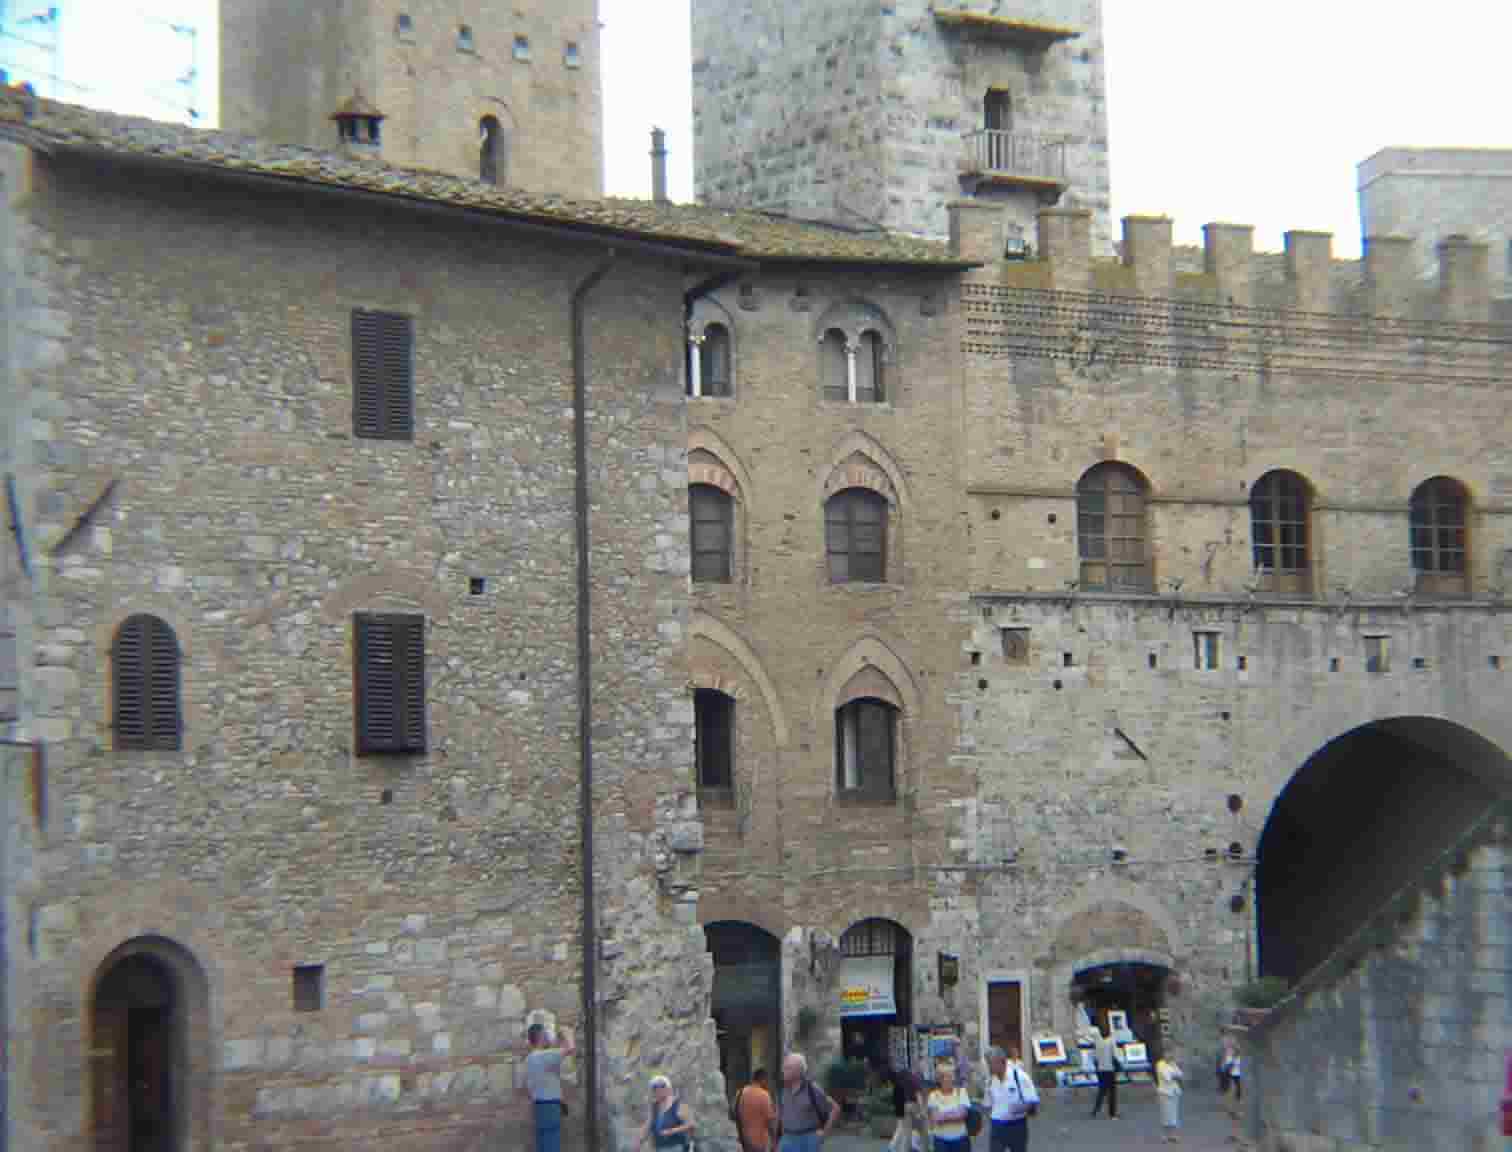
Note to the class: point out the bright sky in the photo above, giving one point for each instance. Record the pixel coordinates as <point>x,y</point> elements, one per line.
<point>1219,110</point>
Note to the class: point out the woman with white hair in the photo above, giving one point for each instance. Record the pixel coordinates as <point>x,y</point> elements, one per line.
<point>670,1125</point>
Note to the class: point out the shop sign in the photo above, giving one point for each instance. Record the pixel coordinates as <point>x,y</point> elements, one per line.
<point>866,987</point>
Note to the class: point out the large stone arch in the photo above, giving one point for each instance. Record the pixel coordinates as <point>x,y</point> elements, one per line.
<point>715,906</point>
<point>1118,891</point>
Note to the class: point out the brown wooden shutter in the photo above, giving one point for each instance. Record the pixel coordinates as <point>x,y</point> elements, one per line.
<point>389,652</point>
<point>147,711</point>
<point>382,375</point>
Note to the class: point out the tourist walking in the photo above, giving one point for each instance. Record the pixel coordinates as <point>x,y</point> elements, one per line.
<point>1011,1098</point>
<point>948,1107</point>
<point>670,1125</point>
<point>1231,1084</point>
<point>1107,1074</point>
<point>1168,1088</point>
<point>755,1117</point>
<point>806,1114</point>
<point>543,1084</point>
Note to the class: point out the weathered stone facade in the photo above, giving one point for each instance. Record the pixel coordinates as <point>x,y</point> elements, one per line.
<point>870,114</point>
<point>180,424</point>
<point>436,77</point>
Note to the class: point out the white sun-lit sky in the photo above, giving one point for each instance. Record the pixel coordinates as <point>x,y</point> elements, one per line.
<point>1218,110</point>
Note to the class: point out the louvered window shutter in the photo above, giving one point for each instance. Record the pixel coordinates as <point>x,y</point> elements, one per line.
<point>383,392</point>
<point>390,683</point>
<point>147,710</point>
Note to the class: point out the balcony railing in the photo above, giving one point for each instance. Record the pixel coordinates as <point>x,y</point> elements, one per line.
<point>1014,157</point>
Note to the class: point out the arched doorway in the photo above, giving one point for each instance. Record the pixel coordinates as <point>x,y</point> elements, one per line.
<point>876,986</point>
<point>1358,821</point>
<point>1127,998</point>
<point>747,1001</point>
<point>146,1066</point>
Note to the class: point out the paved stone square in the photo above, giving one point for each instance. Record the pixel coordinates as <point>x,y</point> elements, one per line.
<point>1064,1125</point>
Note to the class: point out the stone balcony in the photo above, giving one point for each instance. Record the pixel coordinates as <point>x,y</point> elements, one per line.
<point>1016,160</point>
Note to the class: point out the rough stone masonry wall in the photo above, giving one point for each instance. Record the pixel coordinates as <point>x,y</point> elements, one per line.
<point>296,64</point>
<point>1406,1047</point>
<point>200,358</point>
<point>791,858</point>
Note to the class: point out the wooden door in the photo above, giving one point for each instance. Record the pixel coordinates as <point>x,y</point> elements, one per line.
<point>1005,1016</point>
<point>110,1091</point>
<point>151,1073</point>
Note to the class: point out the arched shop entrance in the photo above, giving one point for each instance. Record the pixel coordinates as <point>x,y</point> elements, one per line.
<point>747,1001</point>
<point>875,986</point>
<point>1137,990</point>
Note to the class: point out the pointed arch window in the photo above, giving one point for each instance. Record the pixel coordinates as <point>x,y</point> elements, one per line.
<point>855,536</point>
<point>1280,511</point>
<point>711,517</point>
<point>1439,517</point>
<point>1110,529</point>
<point>146,709</point>
<point>866,734</point>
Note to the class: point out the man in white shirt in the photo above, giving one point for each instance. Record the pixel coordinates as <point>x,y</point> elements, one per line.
<point>1107,1075</point>
<point>1012,1099</point>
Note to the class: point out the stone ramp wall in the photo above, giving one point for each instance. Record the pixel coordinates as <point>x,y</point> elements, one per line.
<point>1399,1040</point>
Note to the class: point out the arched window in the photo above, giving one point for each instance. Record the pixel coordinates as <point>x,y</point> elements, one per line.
<point>855,536</point>
<point>711,515</point>
<point>714,747</point>
<point>490,149</point>
<point>869,382</point>
<point>1280,508</point>
<point>865,750</point>
<point>1110,529</point>
<point>714,361</point>
<point>834,363</point>
<point>1438,537</point>
<point>145,675</point>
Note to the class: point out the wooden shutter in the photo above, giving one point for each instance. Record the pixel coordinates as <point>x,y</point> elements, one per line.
<point>382,375</point>
<point>146,673</point>
<point>389,652</point>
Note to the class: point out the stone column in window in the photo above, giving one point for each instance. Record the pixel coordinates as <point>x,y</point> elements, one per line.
<point>695,364</point>
<point>850,371</point>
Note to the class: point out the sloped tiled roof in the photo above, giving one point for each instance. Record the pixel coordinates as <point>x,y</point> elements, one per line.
<point>753,235</point>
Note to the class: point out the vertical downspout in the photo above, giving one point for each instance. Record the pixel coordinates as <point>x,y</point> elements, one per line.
<point>589,1057</point>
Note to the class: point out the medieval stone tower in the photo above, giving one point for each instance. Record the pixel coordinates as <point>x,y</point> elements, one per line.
<point>884,111</point>
<point>508,92</point>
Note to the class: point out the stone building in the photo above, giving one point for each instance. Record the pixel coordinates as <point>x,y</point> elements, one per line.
<point>883,114</point>
<point>1433,193</point>
<point>509,92</point>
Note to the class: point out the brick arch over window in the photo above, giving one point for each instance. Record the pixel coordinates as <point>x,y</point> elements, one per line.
<point>1281,533</point>
<point>702,626</point>
<point>386,584</point>
<point>146,685</point>
<point>854,317</point>
<point>870,669</point>
<point>711,463</point>
<point>858,461</point>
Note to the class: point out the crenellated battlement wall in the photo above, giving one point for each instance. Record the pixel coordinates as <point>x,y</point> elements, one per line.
<point>1303,286</point>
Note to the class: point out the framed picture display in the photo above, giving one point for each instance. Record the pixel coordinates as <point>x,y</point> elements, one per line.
<point>1049,1049</point>
<point>1118,1020</point>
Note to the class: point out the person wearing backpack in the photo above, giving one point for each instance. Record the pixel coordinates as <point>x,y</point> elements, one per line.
<point>806,1114</point>
<point>1012,1099</point>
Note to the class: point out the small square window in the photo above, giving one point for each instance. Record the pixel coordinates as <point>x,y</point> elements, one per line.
<point>1016,645</point>
<point>1205,651</point>
<point>1244,663</point>
<point>1154,661</point>
<point>404,27</point>
<point>572,56</point>
<point>309,987</point>
<point>477,585</point>
<point>1377,654</point>
<point>522,47</point>
<point>465,39</point>
<point>1495,662</point>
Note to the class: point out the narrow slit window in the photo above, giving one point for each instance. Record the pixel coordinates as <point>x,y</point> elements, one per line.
<point>1205,651</point>
<point>714,747</point>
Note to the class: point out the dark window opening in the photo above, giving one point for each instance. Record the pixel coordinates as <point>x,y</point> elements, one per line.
<point>714,361</point>
<point>870,384</point>
<point>389,651</point>
<point>855,530</point>
<point>1110,512</point>
<point>465,39</point>
<point>865,751</point>
<point>490,147</point>
<point>711,516</point>
<point>382,375</point>
<point>834,356</point>
<point>714,747</point>
<point>1438,538</point>
<point>309,987</point>
<point>1279,507</point>
<point>997,110</point>
<point>145,670</point>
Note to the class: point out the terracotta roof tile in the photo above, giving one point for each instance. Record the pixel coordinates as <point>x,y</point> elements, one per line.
<point>755,235</point>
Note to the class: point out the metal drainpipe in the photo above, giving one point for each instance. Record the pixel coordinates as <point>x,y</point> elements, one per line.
<point>585,697</point>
